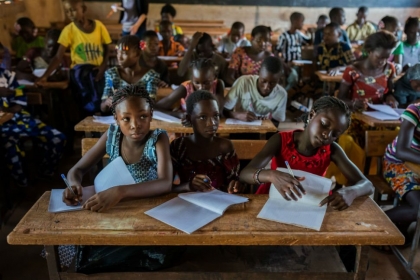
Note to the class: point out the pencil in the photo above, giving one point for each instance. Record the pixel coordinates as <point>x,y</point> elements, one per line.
<point>68,185</point>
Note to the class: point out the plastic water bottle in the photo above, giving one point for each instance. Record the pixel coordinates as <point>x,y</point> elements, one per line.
<point>299,106</point>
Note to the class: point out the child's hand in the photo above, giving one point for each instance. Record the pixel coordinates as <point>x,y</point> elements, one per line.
<point>246,116</point>
<point>391,101</point>
<point>236,187</point>
<point>71,200</point>
<point>340,199</point>
<point>134,29</point>
<point>286,184</point>
<point>102,201</point>
<point>41,81</point>
<point>360,104</point>
<point>200,183</point>
<point>195,38</point>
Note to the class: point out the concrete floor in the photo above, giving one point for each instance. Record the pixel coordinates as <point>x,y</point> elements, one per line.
<point>24,262</point>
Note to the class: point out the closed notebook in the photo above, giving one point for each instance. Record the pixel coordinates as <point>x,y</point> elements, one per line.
<point>191,211</point>
<point>305,212</point>
<point>114,174</point>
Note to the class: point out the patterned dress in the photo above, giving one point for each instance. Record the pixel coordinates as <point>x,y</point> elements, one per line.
<point>243,64</point>
<point>221,169</point>
<point>189,87</point>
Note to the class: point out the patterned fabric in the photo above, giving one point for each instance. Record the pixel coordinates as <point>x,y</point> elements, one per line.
<point>174,49</point>
<point>316,164</point>
<point>340,55</point>
<point>176,30</point>
<point>356,33</point>
<point>319,34</point>
<point>113,81</point>
<point>20,46</point>
<point>160,67</point>
<point>290,45</point>
<point>410,53</point>
<point>189,87</point>
<point>221,169</point>
<point>400,178</point>
<point>368,87</point>
<point>243,64</point>
<point>66,254</point>
<point>227,46</point>
<point>412,115</point>
<point>146,168</point>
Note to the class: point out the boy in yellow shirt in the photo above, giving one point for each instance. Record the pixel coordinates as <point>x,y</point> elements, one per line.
<point>89,43</point>
<point>361,28</point>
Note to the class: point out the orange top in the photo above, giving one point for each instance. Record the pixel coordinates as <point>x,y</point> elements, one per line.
<point>174,50</point>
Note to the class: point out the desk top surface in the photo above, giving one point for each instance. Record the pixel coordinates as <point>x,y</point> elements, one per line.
<point>88,125</point>
<point>364,223</point>
<point>375,122</point>
<point>4,117</point>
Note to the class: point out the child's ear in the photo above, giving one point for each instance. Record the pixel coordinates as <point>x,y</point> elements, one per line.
<point>312,114</point>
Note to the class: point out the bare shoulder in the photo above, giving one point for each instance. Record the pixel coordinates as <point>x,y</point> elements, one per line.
<point>226,146</point>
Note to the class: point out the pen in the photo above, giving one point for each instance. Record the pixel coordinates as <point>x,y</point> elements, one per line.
<point>68,185</point>
<point>289,169</point>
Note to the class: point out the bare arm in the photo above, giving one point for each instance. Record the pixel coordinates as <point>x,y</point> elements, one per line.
<point>220,94</point>
<point>166,104</point>
<point>403,150</point>
<point>55,62</point>
<point>185,62</point>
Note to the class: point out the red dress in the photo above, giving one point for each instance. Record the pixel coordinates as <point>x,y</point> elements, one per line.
<point>316,164</point>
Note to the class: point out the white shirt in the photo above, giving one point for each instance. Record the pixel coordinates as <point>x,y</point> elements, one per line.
<point>227,46</point>
<point>244,96</point>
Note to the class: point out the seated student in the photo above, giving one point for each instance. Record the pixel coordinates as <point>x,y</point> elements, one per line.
<point>88,41</point>
<point>361,28</point>
<point>338,16</point>
<point>128,72</point>
<point>203,77</point>
<point>168,46</point>
<point>310,150</point>
<point>168,13</point>
<point>248,60</point>
<point>258,96</point>
<point>27,38</point>
<point>202,47</point>
<point>322,21</point>
<point>149,57</point>
<point>146,154</point>
<point>49,140</point>
<point>408,52</point>
<point>234,39</point>
<point>405,182</point>
<point>390,24</point>
<point>216,166</point>
<point>290,42</point>
<point>332,54</point>
<point>407,88</point>
<point>183,40</point>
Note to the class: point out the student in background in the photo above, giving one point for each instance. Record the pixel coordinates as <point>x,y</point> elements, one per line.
<point>338,16</point>
<point>405,182</point>
<point>203,77</point>
<point>183,40</point>
<point>310,150</point>
<point>216,166</point>
<point>129,72</point>
<point>322,21</point>
<point>390,24</point>
<point>290,42</point>
<point>407,88</point>
<point>6,61</point>
<point>27,38</point>
<point>134,16</point>
<point>202,47</point>
<point>168,13</point>
<point>50,141</point>
<point>149,57</point>
<point>258,96</point>
<point>248,60</point>
<point>168,46</point>
<point>408,52</point>
<point>361,28</point>
<point>234,39</point>
<point>88,41</point>
<point>332,54</point>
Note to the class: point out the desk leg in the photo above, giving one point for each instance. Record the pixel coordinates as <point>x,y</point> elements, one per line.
<point>53,261</point>
<point>361,264</point>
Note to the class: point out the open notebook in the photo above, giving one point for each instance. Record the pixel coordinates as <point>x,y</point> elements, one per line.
<point>238,122</point>
<point>384,112</point>
<point>305,212</point>
<point>114,174</point>
<point>191,211</point>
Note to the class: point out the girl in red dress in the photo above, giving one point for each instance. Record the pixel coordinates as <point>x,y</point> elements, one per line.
<point>310,150</point>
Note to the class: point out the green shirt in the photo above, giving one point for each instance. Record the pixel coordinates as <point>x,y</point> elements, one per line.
<point>21,47</point>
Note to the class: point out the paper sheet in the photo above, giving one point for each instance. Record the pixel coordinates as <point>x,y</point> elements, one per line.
<point>381,116</point>
<point>165,117</point>
<point>385,109</point>
<point>302,62</point>
<point>57,205</point>
<point>40,72</point>
<point>104,120</point>
<point>238,122</point>
<point>114,174</point>
<point>25,83</point>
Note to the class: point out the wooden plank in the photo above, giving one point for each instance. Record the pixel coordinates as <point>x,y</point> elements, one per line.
<point>415,167</point>
<point>88,143</point>
<point>375,122</point>
<point>248,149</point>
<point>363,223</point>
<point>377,141</point>
<point>4,117</point>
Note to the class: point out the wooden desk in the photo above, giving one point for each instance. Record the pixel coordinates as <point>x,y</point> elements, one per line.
<point>363,224</point>
<point>88,125</point>
<point>163,92</point>
<point>414,167</point>
<point>4,117</point>
<point>375,122</point>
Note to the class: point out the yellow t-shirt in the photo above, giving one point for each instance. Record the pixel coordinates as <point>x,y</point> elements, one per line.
<point>85,48</point>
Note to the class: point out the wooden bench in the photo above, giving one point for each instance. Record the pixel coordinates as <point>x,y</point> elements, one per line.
<point>376,143</point>
<point>245,149</point>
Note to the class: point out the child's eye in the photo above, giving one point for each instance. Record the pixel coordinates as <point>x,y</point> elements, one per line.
<point>202,117</point>
<point>125,119</point>
<point>217,116</point>
<point>143,117</point>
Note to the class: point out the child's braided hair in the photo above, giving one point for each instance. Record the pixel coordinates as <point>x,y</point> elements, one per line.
<point>131,90</point>
<point>196,97</point>
<point>328,103</point>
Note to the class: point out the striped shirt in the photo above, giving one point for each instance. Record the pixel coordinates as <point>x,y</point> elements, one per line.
<point>290,44</point>
<point>412,115</point>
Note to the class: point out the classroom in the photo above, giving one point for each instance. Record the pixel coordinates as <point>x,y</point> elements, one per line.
<point>220,139</point>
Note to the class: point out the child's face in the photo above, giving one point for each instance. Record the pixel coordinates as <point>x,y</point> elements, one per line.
<point>74,11</point>
<point>27,33</point>
<point>340,18</point>
<point>152,46</point>
<point>331,36</point>
<point>127,56</point>
<point>166,32</point>
<point>51,47</point>
<point>205,50</point>
<point>203,79</point>
<point>379,57</point>
<point>321,23</point>
<point>298,23</point>
<point>415,85</point>
<point>393,28</point>
<point>185,42</point>
<point>326,126</point>
<point>133,116</point>
<point>167,16</point>
<point>261,41</point>
<point>412,34</point>
<point>267,81</point>
<point>361,17</point>
<point>236,34</point>
<point>205,118</point>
